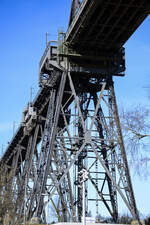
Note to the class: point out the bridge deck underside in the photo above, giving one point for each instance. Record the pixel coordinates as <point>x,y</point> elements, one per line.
<point>105,24</point>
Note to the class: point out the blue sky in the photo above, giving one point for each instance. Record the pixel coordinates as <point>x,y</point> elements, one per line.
<point>23,24</point>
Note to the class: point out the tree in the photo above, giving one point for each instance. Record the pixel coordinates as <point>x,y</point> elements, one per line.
<point>5,197</point>
<point>125,219</point>
<point>7,203</point>
<point>136,130</point>
<point>147,221</point>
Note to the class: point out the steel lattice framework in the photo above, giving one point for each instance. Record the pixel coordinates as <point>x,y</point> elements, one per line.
<point>72,124</point>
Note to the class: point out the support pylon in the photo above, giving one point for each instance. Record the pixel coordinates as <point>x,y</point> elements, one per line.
<point>76,126</point>
<point>82,129</point>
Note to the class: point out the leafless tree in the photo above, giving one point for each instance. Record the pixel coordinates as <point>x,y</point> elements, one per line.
<point>7,204</point>
<point>136,130</point>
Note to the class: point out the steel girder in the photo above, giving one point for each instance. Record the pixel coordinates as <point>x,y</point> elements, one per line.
<point>105,25</point>
<point>74,9</point>
<point>77,123</point>
<point>81,130</point>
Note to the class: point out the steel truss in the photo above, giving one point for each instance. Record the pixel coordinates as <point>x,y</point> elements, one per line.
<point>81,130</point>
<point>72,125</point>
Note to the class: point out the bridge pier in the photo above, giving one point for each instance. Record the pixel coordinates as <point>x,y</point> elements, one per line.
<point>79,128</point>
<point>73,123</point>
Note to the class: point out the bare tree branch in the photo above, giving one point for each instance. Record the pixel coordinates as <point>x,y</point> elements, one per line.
<point>136,131</point>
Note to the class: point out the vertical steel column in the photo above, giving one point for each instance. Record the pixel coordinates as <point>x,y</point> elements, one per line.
<point>128,188</point>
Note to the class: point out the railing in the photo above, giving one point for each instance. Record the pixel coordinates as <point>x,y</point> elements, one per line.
<point>61,39</point>
<point>47,50</point>
<point>44,54</point>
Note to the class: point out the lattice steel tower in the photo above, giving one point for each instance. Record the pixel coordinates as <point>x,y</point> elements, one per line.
<point>73,123</point>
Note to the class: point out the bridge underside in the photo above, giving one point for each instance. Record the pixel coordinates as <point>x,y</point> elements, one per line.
<point>73,123</point>
<point>105,24</point>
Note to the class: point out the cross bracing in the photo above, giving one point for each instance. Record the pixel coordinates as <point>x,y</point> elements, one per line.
<point>73,123</point>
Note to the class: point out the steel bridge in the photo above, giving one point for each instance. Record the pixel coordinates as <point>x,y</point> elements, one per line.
<point>73,122</point>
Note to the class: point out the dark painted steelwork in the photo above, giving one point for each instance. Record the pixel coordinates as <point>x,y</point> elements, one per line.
<point>74,10</point>
<point>73,123</point>
<point>105,25</point>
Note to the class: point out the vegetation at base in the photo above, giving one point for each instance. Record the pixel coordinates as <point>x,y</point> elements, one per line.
<point>123,219</point>
<point>7,204</point>
<point>147,221</point>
